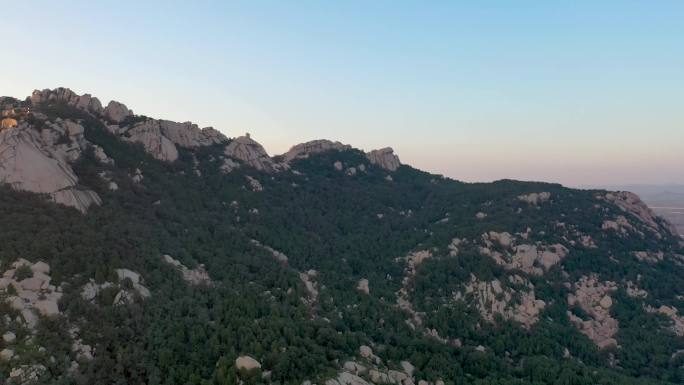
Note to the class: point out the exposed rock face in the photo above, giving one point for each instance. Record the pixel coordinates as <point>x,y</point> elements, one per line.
<point>160,137</point>
<point>250,152</point>
<point>631,203</point>
<point>532,259</point>
<point>247,363</point>
<point>593,297</point>
<point>454,245</point>
<point>362,286</point>
<point>196,276</point>
<point>124,296</point>
<point>677,326</point>
<point>620,225</point>
<point>535,198</point>
<point>303,150</point>
<point>649,256</point>
<point>278,255</point>
<point>254,184</point>
<point>84,102</point>
<point>311,286</point>
<point>384,158</point>
<point>413,260</point>
<point>34,296</point>
<point>39,162</point>
<point>116,112</point>
<point>491,298</point>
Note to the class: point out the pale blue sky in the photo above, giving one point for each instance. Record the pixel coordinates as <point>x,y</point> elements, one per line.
<point>578,92</point>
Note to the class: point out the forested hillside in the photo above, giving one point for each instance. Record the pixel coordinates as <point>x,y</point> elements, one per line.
<point>167,254</point>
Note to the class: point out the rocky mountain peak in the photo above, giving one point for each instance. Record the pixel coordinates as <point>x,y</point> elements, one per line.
<point>250,152</point>
<point>84,102</point>
<point>116,111</point>
<point>303,150</point>
<point>384,158</point>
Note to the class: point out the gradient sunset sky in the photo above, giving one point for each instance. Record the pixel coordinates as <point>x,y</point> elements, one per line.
<point>577,92</point>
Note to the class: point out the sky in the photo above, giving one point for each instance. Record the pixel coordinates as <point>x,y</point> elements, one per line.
<point>577,92</point>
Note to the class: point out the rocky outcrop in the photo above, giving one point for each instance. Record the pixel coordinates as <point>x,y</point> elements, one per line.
<point>34,295</point>
<point>195,277</point>
<point>250,152</point>
<point>362,286</point>
<point>254,184</point>
<point>535,198</point>
<point>412,260</point>
<point>311,286</point>
<point>532,259</point>
<point>160,137</point>
<point>304,150</point>
<point>116,112</point>
<point>593,297</point>
<point>247,363</point>
<point>677,326</point>
<point>39,161</point>
<point>384,158</point>
<point>620,225</point>
<point>26,374</point>
<point>631,203</point>
<point>64,95</point>
<point>125,295</point>
<point>649,256</point>
<point>278,255</point>
<point>492,298</point>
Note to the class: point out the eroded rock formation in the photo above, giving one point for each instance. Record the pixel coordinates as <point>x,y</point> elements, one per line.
<point>40,162</point>
<point>384,158</point>
<point>593,297</point>
<point>303,150</point>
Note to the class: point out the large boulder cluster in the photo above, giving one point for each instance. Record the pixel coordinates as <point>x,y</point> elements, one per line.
<point>368,369</point>
<point>492,298</point>
<point>27,288</point>
<point>593,297</point>
<point>124,294</point>
<point>531,258</point>
<point>535,198</point>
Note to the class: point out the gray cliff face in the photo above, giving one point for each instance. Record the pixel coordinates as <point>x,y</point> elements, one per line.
<point>33,161</point>
<point>384,158</point>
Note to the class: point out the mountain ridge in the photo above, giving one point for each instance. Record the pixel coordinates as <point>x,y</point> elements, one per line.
<point>219,264</point>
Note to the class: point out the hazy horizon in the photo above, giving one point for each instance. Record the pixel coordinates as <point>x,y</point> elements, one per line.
<point>580,94</point>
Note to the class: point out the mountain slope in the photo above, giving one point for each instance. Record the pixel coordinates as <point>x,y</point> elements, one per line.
<point>194,257</point>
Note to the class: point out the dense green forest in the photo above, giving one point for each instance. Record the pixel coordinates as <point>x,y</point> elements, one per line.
<point>346,228</point>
